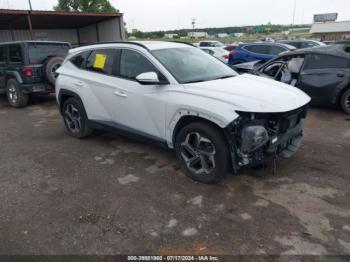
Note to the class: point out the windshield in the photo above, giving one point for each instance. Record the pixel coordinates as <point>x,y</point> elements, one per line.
<point>190,65</point>
<point>39,52</point>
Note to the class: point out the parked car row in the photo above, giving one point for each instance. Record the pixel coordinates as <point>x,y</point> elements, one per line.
<point>322,72</point>
<point>177,96</point>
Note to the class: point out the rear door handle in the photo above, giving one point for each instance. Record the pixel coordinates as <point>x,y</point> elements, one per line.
<point>120,93</point>
<point>79,83</point>
<point>340,75</point>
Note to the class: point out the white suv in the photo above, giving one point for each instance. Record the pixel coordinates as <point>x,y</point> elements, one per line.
<point>178,96</point>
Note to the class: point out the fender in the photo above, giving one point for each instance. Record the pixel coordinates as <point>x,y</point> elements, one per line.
<point>15,74</point>
<point>181,113</point>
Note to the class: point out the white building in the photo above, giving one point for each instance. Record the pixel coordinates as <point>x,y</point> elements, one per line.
<point>222,35</point>
<point>331,31</point>
<point>171,36</point>
<point>198,35</point>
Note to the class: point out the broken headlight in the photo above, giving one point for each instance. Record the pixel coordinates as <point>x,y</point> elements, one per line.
<point>253,138</point>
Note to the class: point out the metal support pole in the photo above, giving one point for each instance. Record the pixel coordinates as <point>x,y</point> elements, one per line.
<point>12,33</point>
<point>30,26</point>
<point>30,5</point>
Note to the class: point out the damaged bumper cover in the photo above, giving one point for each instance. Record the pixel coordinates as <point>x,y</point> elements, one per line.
<point>254,137</point>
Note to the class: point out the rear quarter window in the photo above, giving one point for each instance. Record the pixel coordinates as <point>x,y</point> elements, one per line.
<point>259,49</point>
<point>80,59</point>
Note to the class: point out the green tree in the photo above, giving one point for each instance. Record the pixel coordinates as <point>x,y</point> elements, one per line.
<point>91,6</point>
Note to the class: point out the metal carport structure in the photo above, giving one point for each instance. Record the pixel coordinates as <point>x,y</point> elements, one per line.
<point>78,28</point>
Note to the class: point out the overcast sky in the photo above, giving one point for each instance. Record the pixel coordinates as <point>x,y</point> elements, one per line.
<point>150,15</point>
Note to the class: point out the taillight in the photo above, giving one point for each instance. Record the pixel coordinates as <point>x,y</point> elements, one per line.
<point>226,56</point>
<point>27,72</point>
<point>233,52</point>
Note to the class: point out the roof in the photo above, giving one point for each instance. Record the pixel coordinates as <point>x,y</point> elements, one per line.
<point>17,19</point>
<point>35,42</point>
<point>335,50</point>
<point>149,45</point>
<point>271,44</point>
<point>330,27</point>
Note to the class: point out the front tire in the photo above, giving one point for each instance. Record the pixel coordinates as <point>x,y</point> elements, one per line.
<point>202,151</point>
<point>345,101</point>
<point>75,118</point>
<point>15,96</point>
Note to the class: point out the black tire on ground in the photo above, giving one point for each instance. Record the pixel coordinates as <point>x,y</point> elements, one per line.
<point>75,118</point>
<point>50,67</point>
<point>15,96</point>
<point>345,101</point>
<point>213,140</point>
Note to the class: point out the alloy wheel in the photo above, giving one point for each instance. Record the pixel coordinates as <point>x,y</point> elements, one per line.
<point>12,94</point>
<point>198,152</point>
<point>72,118</point>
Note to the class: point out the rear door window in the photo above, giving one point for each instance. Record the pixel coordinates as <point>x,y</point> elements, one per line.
<point>15,53</point>
<point>39,52</point>
<point>259,49</point>
<point>317,61</point>
<point>102,61</point>
<point>276,50</point>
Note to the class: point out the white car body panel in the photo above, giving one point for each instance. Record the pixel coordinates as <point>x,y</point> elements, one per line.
<point>155,110</point>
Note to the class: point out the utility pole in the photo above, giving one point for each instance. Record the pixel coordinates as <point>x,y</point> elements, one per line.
<point>30,5</point>
<point>193,26</point>
<point>294,10</point>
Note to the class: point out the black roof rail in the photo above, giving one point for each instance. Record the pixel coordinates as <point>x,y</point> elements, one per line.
<point>119,42</point>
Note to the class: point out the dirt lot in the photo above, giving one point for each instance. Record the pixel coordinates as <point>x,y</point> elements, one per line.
<point>110,195</point>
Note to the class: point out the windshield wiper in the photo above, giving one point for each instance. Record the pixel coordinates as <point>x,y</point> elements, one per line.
<point>224,77</point>
<point>195,81</point>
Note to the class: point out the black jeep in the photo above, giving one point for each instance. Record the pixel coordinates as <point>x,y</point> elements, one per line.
<point>28,67</point>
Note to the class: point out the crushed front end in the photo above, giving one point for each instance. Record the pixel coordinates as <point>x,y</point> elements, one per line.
<point>255,136</point>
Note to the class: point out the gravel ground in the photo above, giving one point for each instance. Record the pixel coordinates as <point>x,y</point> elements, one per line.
<point>111,195</point>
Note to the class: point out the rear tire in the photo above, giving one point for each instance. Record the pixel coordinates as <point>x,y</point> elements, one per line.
<point>345,102</point>
<point>15,96</point>
<point>202,151</point>
<point>75,118</point>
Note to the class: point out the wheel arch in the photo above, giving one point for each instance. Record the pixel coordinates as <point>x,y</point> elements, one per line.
<point>13,75</point>
<point>341,93</point>
<point>65,94</point>
<point>188,117</point>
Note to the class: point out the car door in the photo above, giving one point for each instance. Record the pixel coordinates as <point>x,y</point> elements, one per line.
<point>139,108</point>
<point>322,76</point>
<point>129,105</point>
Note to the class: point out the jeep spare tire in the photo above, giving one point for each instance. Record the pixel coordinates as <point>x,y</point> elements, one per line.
<point>50,67</point>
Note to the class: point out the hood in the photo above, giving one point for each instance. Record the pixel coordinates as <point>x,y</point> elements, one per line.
<point>249,93</point>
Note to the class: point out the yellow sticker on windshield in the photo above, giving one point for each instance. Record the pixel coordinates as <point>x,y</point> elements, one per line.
<point>100,61</point>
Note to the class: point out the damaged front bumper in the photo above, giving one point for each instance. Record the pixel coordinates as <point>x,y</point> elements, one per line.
<point>255,137</point>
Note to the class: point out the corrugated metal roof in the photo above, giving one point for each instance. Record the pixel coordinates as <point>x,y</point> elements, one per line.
<point>330,27</point>
<point>17,19</point>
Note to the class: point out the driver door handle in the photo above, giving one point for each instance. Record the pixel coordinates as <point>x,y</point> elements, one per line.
<point>340,75</point>
<point>120,93</point>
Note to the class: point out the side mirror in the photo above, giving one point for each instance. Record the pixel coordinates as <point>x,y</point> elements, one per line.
<point>149,78</point>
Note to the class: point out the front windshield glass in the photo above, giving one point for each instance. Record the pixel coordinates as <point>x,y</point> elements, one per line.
<point>190,65</point>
